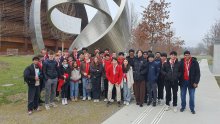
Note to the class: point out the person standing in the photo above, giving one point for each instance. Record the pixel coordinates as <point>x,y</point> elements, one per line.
<point>32,75</point>
<point>74,82</point>
<point>161,79</point>
<point>64,80</point>
<point>96,70</point>
<point>114,75</point>
<point>51,72</point>
<point>131,58</point>
<point>127,81</point>
<point>84,68</point>
<point>189,79</point>
<point>152,77</point>
<point>106,63</point>
<point>140,69</point>
<point>171,72</point>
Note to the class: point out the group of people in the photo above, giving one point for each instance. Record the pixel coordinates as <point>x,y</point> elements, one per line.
<point>80,74</point>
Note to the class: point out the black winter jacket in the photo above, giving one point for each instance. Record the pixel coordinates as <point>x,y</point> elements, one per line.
<point>30,72</point>
<point>171,73</point>
<point>140,69</point>
<point>65,70</point>
<point>194,73</point>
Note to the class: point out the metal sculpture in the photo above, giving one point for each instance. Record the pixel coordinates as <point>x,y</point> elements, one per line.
<point>102,31</point>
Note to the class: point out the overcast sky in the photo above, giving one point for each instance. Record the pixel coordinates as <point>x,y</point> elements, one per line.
<point>192,18</point>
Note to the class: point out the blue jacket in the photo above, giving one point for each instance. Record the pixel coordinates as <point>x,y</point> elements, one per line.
<point>153,72</point>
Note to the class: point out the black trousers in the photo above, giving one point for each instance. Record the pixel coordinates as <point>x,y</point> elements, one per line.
<point>64,90</point>
<point>81,88</point>
<point>160,84</point>
<point>96,87</point>
<point>42,86</point>
<point>106,88</point>
<point>33,97</point>
<point>174,87</point>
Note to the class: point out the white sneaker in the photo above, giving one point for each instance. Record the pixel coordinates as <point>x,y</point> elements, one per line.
<point>112,100</point>
<point>84,98</point>
<point>94,100</point>
<point>105,100</point>
<point>167,108</point>
<point>175,109</point>
<point>53,105</point>
<point>63,101</point>
<point>97,100</point>
<point>127,103</point>
<point>47,107</point>
<point>89,98</point>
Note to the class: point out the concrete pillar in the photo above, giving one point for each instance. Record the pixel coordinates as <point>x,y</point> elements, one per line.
<point>216,59</point>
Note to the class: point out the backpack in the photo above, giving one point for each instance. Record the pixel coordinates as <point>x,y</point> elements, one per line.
<point>25,75</point>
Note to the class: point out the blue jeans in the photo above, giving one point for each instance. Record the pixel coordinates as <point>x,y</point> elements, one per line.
<point>86,92</point>
<point>126,92</point>
<point>191,90</point>
<point>74,89</point>
<point>152,91</point>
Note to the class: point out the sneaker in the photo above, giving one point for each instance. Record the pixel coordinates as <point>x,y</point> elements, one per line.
<point>149,103</point>
<point>154,104</point>
<point>193,111</point>
<point>137,104</point>
<point>141,105</point>
<point>30,112</point>
<point>53,105</point>
<point>37,109</point>
<point>94,100</point>
<point>89,98</point>
<point>124,102</point>
<point>112,100</point>
<point>175,109</point>
<point>127,103</point>
<point>97,100</point>
<point>76,99</point>
<point>73,99</point>
<point>167,108</point>
<point>63,101</point>
<point>105,100</point>
<point>182,110</point>
<point>84,98</point>
<point>47,107</point>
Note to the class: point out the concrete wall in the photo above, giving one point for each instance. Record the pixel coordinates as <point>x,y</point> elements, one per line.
<point>216,60</point>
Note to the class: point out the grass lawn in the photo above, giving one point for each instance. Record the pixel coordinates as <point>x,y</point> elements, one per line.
<point>12,68</point>
<point>13,100</point>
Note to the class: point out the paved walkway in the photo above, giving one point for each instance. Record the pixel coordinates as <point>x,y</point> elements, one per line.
<point>207,107</point>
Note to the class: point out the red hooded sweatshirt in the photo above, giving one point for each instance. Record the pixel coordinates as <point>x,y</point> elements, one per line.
<point>114,76</point>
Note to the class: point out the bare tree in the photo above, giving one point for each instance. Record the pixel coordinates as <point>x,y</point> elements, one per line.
<point>155,31</point>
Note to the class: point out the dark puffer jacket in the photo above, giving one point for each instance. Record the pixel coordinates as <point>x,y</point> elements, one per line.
<point>194,73</point>
<point>50,69</point>
<point>171,73</point>
<point>140,69</point>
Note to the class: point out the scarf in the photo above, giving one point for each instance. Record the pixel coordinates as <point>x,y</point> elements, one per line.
<point>187,65</point>
<point>87,67</point>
